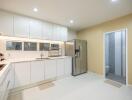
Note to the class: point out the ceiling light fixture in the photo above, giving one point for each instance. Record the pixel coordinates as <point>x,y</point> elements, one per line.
<point>71,21</point>
<point>35,10</point>
<point>114,0</point>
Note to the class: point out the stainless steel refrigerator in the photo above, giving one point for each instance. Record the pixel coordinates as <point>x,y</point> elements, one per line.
<point>78,50</point>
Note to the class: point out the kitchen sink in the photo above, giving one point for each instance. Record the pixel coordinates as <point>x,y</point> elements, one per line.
<point>42,58</point>
<point>2,66</point>
<point>55,56</point>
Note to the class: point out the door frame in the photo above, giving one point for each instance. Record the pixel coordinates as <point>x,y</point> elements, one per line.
<point>104,70</point>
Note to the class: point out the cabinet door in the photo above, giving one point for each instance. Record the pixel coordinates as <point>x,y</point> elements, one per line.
<point>47,30</point>
<point>6,24</point>
<point>35,29</point>
<point>60,67</point>
<point>0,91</point>
<point>7,82</point>
<point>22,73</point>
<point>12,76</point>
<point>63,34</point>
<point>5,86</point>
<point>37,71</point>
<point>68,65</point>
<point>3,89</point>
<point>21,26</point>
<point>50,69</point>
<point>59,33</point>
<point>56,32</point>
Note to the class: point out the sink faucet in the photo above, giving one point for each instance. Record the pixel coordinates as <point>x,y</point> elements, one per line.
<point>41,55</point>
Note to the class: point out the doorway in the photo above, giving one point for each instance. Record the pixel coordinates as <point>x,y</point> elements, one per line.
<point>115,56</point>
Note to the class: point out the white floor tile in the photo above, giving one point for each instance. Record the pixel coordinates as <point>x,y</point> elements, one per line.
<point>83,87</point>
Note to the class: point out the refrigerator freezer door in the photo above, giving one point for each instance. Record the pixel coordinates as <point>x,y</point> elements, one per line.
<point>70,48</point>
<point>83,56</point>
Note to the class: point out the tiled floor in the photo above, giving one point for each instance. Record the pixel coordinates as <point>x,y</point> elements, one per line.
<point>116,78</point>
<point>83,87</point>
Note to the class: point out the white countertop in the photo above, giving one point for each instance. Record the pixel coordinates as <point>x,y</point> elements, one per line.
<point>29,59</point>
<point>7,62</point>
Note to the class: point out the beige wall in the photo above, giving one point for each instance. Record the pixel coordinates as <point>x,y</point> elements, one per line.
<point>94,36</point>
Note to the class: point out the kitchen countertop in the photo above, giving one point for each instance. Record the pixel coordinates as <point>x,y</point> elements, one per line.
<point>29,59</point>
<point>9,61</point>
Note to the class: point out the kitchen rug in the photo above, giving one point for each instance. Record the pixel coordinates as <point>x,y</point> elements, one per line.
<point>46,86</point>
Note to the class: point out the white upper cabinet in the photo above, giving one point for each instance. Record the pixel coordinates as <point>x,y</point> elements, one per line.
<point>59,33</point>
<point>56,32</point>
<point>6,24</point>
<point>63,33</point>
<point>35,29</point>
<point>47,30</point>
<point>21,26</point>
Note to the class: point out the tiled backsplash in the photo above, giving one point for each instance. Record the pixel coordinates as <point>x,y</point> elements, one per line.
<point>10,54</point>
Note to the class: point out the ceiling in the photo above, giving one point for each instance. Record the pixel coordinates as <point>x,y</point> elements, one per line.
<point>85,13</point>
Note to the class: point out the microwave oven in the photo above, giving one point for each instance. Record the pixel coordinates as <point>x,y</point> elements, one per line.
<point>54,46</point>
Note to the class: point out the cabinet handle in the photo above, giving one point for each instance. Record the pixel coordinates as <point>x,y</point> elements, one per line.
<point>8,84</point>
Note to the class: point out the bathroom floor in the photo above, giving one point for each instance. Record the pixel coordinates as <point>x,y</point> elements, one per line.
<point>116,78</point>
<point>84,87</point>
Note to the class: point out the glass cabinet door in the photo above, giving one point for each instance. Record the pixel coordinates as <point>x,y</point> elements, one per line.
<point>13,45</point>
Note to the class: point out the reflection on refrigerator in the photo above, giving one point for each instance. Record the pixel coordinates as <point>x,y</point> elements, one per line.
<point>78,50</point>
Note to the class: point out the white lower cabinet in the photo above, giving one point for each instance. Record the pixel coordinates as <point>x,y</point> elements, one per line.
<point>22,73</point>
<point>68,65</point>
<point>25,73</point>
<point>4,86</point>
<point>12,76</point>
<point>50,69</point>
<point>37,71</point>
<point>3,89</point>
<point>60,67</point>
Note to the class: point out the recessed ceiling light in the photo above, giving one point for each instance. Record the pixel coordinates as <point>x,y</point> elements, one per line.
<point>71,21</point>
<point>35,9</point>
<point>114,0</point>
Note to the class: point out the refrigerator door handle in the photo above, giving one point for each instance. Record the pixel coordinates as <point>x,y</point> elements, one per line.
<point>79,51</point>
